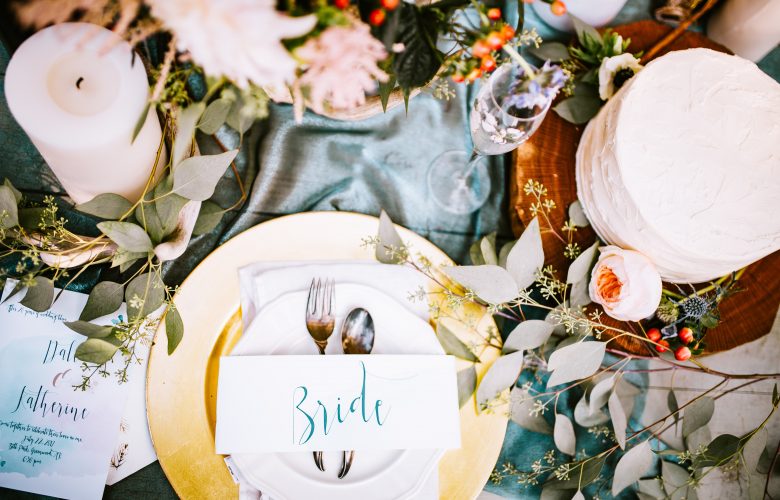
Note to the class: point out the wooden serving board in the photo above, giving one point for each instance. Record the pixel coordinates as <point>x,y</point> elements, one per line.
<point>549,157</point>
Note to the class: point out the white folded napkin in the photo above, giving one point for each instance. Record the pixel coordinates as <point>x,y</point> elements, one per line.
<point>264,282</point>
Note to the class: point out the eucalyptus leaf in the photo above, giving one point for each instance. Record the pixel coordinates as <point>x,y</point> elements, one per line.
<point>527,256</point>
<point>144,295</point>
<point>697,414</point>
<point>492,284</point>
<point>452,344</point>
<point>720,451</point>
<point>504,253</point>
<point>529,334</point>
<point>652,488</point>
<point>632,466</point>
<point>147,217</point>
<point>579,270</point>
<point>105,298</point>
<point>564,437</point>
<point>140,122</point>
<point>549,493</point>
<point>106,206</point>
<point>600,393</point>
<point>388,250</point>
<point>753,448</point>
<point>586,417</point>
<point>671,403</point>
<point>30,218</point>
<point>552,51</point>
<point>475,254</point>
<point>575,362</point>
<point>487,246</point>
<point>9,212</point>
<point>209,217</point>
<point>122,257</point>
<point>185,131</point>
<point>174,329</point>
<point>501,375</point>
<point>40,295</point>
<point>215,115</point>
<point>196,177</point>
<point>577,214</point>
<point>675,480</point>
<point>126,235</point>
<point>467,383</point>
<point>579,295</point>
<point>16,192</point>
<point>90,330</point>
<point>578,109</point>
<point>97,350</point>
<point>168,205</point>
<point>521,412</point>
<point>619,419</point>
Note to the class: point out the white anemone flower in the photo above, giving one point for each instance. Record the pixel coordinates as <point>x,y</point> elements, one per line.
<point>614,71</point>
<point>238,39</point>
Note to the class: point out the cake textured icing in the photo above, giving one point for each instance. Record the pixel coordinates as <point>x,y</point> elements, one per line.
<point>683,165</point>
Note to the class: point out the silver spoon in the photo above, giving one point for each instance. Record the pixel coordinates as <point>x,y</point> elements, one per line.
<point>357,337</point>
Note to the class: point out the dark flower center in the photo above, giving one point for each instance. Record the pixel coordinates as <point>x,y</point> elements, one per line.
<point>622,77</point>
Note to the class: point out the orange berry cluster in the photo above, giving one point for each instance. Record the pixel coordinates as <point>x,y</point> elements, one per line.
<point>682,353</point>
<point>483,58</point>
<point>377,16</point>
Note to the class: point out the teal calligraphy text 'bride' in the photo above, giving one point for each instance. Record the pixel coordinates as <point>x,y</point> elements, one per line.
<point>320,417</point>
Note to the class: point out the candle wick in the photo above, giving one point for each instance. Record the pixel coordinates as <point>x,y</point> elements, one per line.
<point>78,82</point>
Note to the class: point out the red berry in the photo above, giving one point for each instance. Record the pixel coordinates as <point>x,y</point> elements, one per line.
<point>662,346</point>
<point>473,75</point>
<point>458,78</point>
<point>377,17</point>
<point>494,14</point>
<point>507,32</point>
<point>341,4</point>
<point>488,64</point>
<point>682,354</point>
<point>654,334</point>
<point>494,40</point>
<point>390,4</point>
<point>558,8</point>
<point>480,49</point>
<point>685,335</point>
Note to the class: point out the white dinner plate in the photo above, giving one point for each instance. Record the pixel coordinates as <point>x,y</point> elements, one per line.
<point>280,328</point>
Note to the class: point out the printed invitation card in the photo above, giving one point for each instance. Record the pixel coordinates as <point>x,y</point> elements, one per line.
<point>54,439</point>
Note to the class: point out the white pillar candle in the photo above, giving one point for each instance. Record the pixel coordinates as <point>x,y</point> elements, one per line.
<point>78,91</point>
<point>751,28</point>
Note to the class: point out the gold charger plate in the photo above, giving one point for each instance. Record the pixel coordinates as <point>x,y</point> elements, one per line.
<point>181,391</point>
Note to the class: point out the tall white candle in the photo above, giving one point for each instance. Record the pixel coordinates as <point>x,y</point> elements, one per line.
<point>751,28</point>
<point>78,91</point>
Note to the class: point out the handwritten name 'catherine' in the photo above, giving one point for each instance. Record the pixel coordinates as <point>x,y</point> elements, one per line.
<point>38,403</point>
<point>322,417</point>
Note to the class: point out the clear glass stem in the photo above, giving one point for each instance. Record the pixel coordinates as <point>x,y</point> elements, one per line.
<point>473,162</point>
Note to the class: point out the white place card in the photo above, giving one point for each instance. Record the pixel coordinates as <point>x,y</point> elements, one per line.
<point>54,440</point>
<point>354,402</point>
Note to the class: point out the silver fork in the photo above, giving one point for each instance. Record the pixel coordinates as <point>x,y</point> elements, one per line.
<point>320,320</point>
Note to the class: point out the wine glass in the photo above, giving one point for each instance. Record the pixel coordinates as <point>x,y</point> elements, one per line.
<point>503,118</point>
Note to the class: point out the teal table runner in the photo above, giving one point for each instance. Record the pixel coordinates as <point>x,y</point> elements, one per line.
<point>322,164</point>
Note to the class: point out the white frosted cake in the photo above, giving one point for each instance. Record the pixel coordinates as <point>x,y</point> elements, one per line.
<point>683,165</point>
